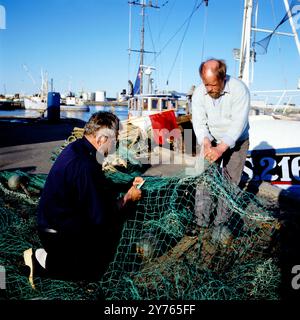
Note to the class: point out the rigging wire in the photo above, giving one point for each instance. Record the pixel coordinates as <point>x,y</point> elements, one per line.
<point>279,48</point>
<point>152,41</point>
<point>129,40</point>
<point>196,7</point>
<point>204,32</point>
<point>165,3</point>
<point>150,32</point>
<point>136,63</point>
<point>166,19</point>
<point>179,29</point>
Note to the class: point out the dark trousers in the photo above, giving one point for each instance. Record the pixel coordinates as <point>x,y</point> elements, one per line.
<point>78,256</point>
<point>206,205</point>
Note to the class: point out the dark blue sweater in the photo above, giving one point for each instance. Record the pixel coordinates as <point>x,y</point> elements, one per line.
<point>77,197</point>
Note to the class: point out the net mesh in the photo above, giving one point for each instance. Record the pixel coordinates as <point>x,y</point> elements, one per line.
<point>262,45</point>
<point>161,254</point>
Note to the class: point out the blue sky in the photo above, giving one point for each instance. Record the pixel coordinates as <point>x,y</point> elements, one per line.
<point>82,44</point>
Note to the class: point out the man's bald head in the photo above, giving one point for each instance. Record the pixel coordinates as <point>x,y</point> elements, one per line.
<point>213,74</point>
<point>213,67</point>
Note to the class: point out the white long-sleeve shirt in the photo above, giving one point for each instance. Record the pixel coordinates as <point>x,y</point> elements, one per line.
<point>223,119</point>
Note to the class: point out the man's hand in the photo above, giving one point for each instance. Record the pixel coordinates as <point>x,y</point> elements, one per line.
<point>137,181</point>
<point>134,194</point>
<point>215,153</point>
<point>206,147</point>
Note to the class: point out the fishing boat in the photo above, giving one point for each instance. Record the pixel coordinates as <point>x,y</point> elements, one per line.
<point>40,104</point>
<point>274,151</point>
<point>143,100</point>
<point>38,101</point>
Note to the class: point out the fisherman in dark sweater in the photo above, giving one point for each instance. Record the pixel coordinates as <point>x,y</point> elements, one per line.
<point>79,214</point>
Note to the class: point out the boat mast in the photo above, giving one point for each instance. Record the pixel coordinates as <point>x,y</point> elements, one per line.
<point>143,4</point>
<point>245,51</point>
<point>142,47</point>
<point>246,54</point>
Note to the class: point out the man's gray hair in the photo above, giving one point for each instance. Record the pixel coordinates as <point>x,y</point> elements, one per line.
<point>101,119</point>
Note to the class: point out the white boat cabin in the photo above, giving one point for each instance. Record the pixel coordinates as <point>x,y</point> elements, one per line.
<point>147,104</point>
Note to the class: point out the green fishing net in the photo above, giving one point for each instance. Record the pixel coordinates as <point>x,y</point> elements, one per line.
<point>162,253</point>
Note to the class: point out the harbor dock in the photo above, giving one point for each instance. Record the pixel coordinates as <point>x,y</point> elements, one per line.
<point>27,144</point>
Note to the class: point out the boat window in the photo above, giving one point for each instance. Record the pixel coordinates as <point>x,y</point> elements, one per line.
<point>145,104</point>
<point>139,104</point>
<point>131,104</point>
<point>174,104</point>
<point>164,104</point>
<point>154,104</point>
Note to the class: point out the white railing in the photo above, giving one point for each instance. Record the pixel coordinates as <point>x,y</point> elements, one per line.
<point>276,99</point>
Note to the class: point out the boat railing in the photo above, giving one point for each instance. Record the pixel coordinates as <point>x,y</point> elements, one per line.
<point>282,101</point>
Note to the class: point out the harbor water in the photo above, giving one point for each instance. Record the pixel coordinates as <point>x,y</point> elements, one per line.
<point>120,111</point>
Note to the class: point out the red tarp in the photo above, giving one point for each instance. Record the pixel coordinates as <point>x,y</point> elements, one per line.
<point>163,125</point>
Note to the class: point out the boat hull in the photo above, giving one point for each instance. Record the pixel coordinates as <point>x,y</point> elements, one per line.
<point>279,167</point>
<point>35,104</point>
<point>274,152</point>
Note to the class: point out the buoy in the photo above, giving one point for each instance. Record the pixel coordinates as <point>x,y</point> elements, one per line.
<point>145,247</point>
<point>16,182</point>
<point>221,234</point>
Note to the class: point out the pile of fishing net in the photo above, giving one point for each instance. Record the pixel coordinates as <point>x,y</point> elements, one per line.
<point>162,254</point>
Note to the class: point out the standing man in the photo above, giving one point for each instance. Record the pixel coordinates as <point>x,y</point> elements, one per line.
<point>220,110</point>
<point>79,214</point>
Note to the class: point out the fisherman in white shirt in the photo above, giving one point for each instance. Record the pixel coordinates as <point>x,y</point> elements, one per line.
<point>220,110</point>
